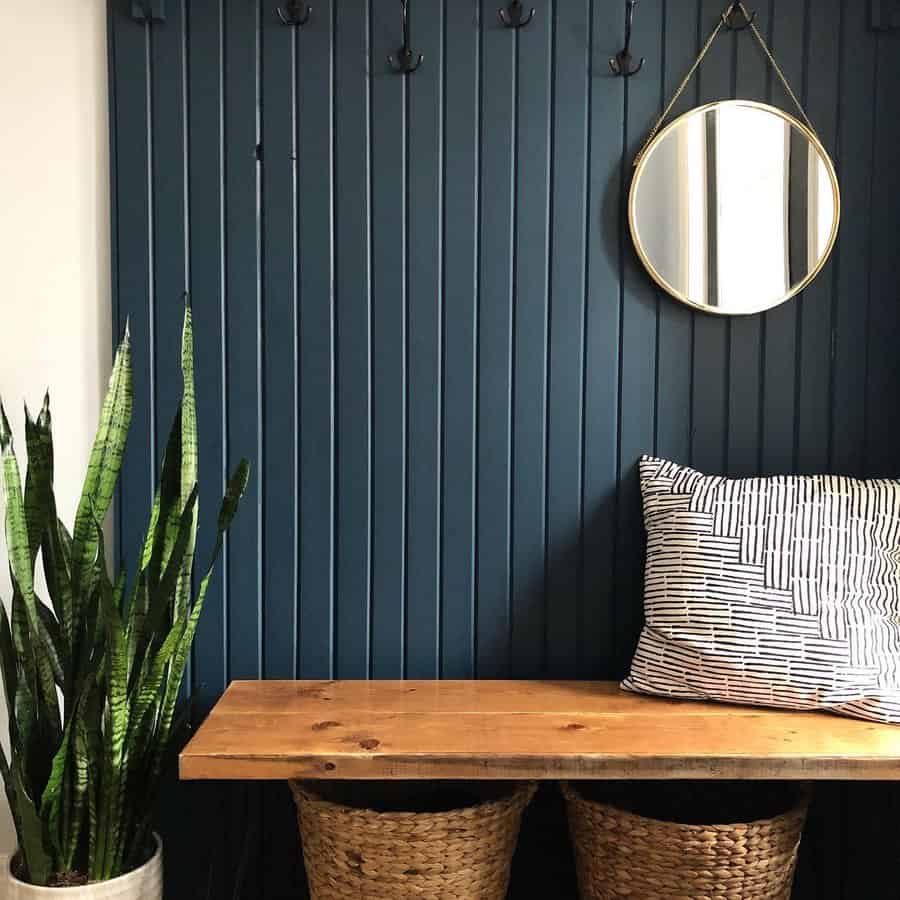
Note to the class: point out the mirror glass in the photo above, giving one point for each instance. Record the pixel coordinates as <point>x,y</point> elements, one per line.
<point>734,207</point>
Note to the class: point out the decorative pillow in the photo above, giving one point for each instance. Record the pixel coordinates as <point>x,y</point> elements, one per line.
<point>771,591</point>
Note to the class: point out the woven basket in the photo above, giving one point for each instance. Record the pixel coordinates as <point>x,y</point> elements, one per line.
<point>379,853</point>
<point>620,852</point>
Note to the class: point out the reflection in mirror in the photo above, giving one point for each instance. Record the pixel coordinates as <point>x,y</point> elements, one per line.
<point>734,207</point>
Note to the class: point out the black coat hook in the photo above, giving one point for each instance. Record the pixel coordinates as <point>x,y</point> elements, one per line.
<point>404,60</point>
<point>728,19</point>
<point>623,62</point>
<point>294,12</point>
<point>513,16</point>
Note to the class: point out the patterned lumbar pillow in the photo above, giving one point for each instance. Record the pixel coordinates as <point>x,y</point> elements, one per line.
<point>772,591</point>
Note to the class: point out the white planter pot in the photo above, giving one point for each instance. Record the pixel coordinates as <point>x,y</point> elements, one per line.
<point>144,883</point>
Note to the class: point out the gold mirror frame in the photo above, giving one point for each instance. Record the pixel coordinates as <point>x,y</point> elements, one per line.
<point>648,152</point>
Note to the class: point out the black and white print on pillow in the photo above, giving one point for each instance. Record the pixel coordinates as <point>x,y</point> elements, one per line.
<point>777,591</point>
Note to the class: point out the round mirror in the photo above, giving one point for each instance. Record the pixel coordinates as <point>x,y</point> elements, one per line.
<point>734,207</point>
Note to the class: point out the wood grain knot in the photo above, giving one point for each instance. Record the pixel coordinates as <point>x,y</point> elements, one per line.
<point>574,726</point>
<point>369,744</point>
<point>330,767</point>
<point>323,726</point>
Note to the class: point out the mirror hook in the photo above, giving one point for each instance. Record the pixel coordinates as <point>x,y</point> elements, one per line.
<point>737,7</point>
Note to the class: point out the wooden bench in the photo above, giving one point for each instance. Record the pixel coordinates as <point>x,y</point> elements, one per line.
<point>519,730</point>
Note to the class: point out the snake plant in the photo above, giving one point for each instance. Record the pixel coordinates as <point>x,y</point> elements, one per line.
<point>93,678</point>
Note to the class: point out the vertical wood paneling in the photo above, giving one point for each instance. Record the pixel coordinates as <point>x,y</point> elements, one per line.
<point>168,197</point>
<point>242,326</point>
<point>205,239</point>
<point>780,324</point>
<point>676,321</point>
<point>605,230</point>
<point>884,277</point>
<point>418,312</point>
<point>353,341</point>
<point>815,308</point>
<point>459,328</point>
<point>495,302</point>
<point>425,364</point>
<point>569,103</point>
<point>857,65</point>
<point>389,285</point>
<point>533,48</point>
<point>316,365</point>
<point>745,337</point>
<point>279,337</point>
<point>637,361</point>
<point>133,278</point>
<point>279,860</point>
<point>711,333</point>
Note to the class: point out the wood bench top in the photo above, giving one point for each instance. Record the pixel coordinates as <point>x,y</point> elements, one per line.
<point>519,730</point>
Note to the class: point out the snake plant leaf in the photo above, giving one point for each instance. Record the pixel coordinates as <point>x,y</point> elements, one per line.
<point>135,627</point>
<point>149,689</point>
<point>116,718</point>
<point>103,466</point>
<point>31,830</point>
<point>21,564</point>
<point>164,519</point>
<point>10,682</point>
<point>8,661</point>
<point>57,574</point>
<point>89,752</point>
<point>85,707</point>
<point>79,794</point>
<point>84,772</point>
<point>27,690</point>
<point>51,799</point>
<point>237,484</point>
<point>51,642</point>
<point>38,475</point>
<point>25,712</point>
<point>6,774</point>
<point>160,596</point>
<point>188,454</point>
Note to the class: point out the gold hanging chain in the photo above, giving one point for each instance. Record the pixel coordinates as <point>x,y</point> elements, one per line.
<point>709,42</point>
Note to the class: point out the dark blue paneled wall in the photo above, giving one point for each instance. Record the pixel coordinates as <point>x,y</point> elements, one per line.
<point>419,315</point>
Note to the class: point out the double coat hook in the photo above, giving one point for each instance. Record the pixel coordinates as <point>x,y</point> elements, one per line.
<point>513,16</point>
<point>623,62</point>
<point>404,60</point>
<point>294,12</point>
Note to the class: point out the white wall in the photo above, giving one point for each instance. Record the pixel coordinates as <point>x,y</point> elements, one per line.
<point>54,234</point>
